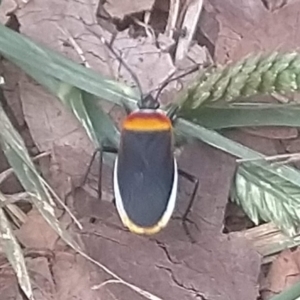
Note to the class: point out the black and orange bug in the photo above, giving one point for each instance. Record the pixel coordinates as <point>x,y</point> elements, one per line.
<point>145,175</point>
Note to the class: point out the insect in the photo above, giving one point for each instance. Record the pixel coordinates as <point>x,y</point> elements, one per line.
<point>145,174</point>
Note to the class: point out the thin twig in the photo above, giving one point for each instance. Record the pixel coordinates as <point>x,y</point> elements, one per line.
<point>172,18</point>
<point>118,57</point>
<point>279,158</point>
<point>189,25</point>
<point>99,286</point>
<point>118,279</point>
<point>75,45</point>
<point>11,199</point>
<point>5,174</point>
<point>8,203</point>
<point>149,30</point>
<point>62,203</point>
<point>142,292</point>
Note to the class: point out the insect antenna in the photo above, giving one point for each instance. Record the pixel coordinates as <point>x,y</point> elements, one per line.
<point>170,79</point>
<point>171,112</point>
<point>120,60</point>
<point>147,101</point>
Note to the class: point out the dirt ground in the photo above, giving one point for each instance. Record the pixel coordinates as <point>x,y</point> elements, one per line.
<point>220,265</point>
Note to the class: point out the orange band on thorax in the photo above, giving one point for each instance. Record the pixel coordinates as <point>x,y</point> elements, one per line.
<point>147,121</point>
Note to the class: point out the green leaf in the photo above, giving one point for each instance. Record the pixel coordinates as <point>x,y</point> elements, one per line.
<point>257,74</point>
<point>99,127</point>
<point>266,195</point>
<point>265,192</point>
<point>35,59</point>
<point>96,122</point>
<point>18,157</point>
<point>214,139</point>
<point>235,115</point>
<point>14,252</point>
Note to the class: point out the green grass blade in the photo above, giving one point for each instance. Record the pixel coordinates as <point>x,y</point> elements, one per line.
<point>102,123</point>
<point>30,56</point>
<point>268,196</point>
<point>18,157</point>
<point>95,121</point>
<point>265,192</point>
<point>218,141</point>
<point>214,139</point>
<point>246,115</point>
<point>14,252</point>
<point>98,125</point>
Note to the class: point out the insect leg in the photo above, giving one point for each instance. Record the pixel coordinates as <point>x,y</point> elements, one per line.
<point>105,149</point>
<point>89,167</point>
<point>195,181</point>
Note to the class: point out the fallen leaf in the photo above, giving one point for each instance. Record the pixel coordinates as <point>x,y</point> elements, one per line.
<point>7,6</point>
<point>274,4</point>
<point>283,273</point>
<point>36,233</point>
<point>247,26</point>
<point>258,143</point>
<point>9,288</point>
<point>117,9</point>
<point>41,277</point>
<point>208,27</point>
<point>74,277</point>
<point>274,132</point>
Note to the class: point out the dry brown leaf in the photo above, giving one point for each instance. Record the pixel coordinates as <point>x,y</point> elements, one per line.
<point>293,146</point>
<point>54,24</point>
<point>208,26</point>
<point>7,6</point>
<point>274,4</point>
<point>41,277</point>
<point>36,232</point>
<point>150,65</point>
<point>120,9</point>
<point>257,143</point>
<point>284,272</point>
<point>74,279</point>
<point>281,133</point>
<point>8,284</point>
<point>53,127</point>
<point>248,26</point>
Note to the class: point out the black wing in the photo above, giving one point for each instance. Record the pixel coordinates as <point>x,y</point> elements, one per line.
<point>145,175</point>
